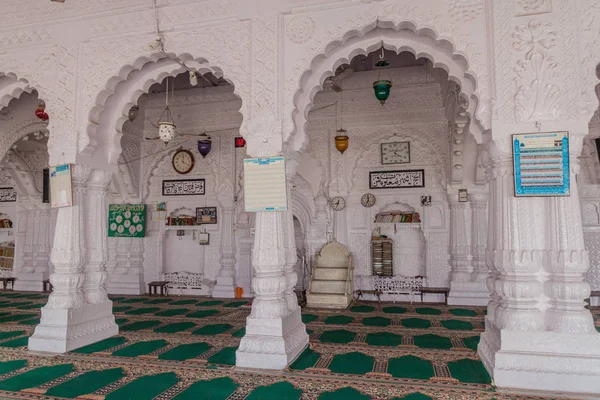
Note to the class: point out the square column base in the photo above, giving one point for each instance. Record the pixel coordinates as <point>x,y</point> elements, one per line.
<point>64,330</point>
<point>126,284</point>
<point>272,343</point>
<point>559,363</point>
<point>468,294</point>
<point>30,282</point>
<point>225,287</point>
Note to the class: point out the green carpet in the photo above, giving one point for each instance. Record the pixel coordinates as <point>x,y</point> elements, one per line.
<point>23,303</point>
<point>215,389</point>
<point>144,388</point>
<point>471,342</point>
<point>279,391</point>
<point>172,312</point>
<point>235,304</point>
<point>8,335</point>
<point>225,356</point>
<point>428,311</point>
<point>175,327</point>
<point>416,323</point>
<point>457,325</point>
<point>35,377</point>
<point>239,333</point>
<point>469,371</point>
<point>116,298</point>
<point>394,310</point>
<point>121,321</point>
<point>144,310</point>
<point>362,309</point>
<point>202,313</point>
<point>210,330</point>
<point>140,348</point>
<point>10,366</point>
<point>4,314</point>
<point>308,318</point>
<point>135,300</point>
<point>136,326</point>
<point>86,383</point>
<point>16,317</point>
<point>414,396</point>
<point>462,312</point>
<point>183,302</point>
<point>122,309</point>
<point>307,359</point>
<point>346,393</point>
<point>384,339</point>
<point>34,321</point>
<point>352,363</point>
<point>210,303</point>
<point>101,346</point>
<point>158,301</point>
<point>337,336</point>
<point>376,321</point>
<point>31,306</point>
<point>410,367</point>
<point>185,351</point>
<point>338,320</point>
<point>432,342</point>
<point>20,342</point>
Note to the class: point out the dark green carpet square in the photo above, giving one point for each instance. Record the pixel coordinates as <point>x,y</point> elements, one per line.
<point>35,377</point>
<point>11,366</point>
<point>394,310</point>
<point>184,302</point>
<point>203,314</point>
<point>383,339</point>
<point>307,359</point>
<point>469,371</point>
<point>122,309</point>
<point>135,300</point>
<point>185,351</point>
<point>352,363</point>
<point>362,309</point>
<point>158,301</point>
<point>463,312</point>
<point>428,311</point>
<point>337,336</point>
<point>137,326</point>
<point>432,342</point>
<point>172,312</point>
<point>308,318</point>
<point>471,342</point>
<point>86,383</point>
<point>416,323</point>
<point>457,325</point>
<point>140,348</point>
<point>210,330</point>
<point>376,321</point>
<point>19,342</point>
<point>175,327</point>
<point>214,389</point>
<point>346,393</point>
<point>210,303</point>
<point>338,320</point>
<point>225,356</point>
<point>239,333</point>
<point>279,391</point>
<point>10,334</point>
<point>410,367</point>
<point>144,388</point>
<point>144,310</point>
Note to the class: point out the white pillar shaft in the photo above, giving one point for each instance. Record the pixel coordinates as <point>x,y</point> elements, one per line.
<point>290,252</point>
<point>226,283</point>
<point>460,249</point>
<point>479,228</point>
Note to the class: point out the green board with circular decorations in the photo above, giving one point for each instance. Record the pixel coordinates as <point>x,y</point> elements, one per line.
<point>127,220</point>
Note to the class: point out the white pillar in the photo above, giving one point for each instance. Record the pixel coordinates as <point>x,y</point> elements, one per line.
<point>68,321</point>
<point>274,334</point>
<point>226,284</point>
<point>479,227</point>
<point>35,251</point>
<point>538,334</point>
<point>289,237</point>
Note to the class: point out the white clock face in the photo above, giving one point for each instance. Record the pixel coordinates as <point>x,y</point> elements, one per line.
<point>395,153</point>
<point>183,162</point>
<point>368,200</point>
<point>338,203</point>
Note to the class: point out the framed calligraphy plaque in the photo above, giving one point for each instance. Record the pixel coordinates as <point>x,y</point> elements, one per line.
<point>183,187</point>
<point>397,179</point>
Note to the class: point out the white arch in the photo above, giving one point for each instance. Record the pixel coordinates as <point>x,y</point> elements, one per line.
<point>123,91</point>
<point>11,87</point>
<point>403,37</point>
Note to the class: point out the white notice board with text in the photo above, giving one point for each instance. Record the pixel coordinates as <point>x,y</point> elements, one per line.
<point>265,186</point>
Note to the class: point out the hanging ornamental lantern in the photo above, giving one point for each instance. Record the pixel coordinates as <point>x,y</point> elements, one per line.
<point>382,86</point>
<point>341,140</point>
<point>40,111</point>
<point>204,146</point>
<point>166,126</point>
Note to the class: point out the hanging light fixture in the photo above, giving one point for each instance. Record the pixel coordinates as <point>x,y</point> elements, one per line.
<point>341,138</point>
<point>133,113</point>
<point>166,125</point>
<point>382,86</point>
<point>204,145</point>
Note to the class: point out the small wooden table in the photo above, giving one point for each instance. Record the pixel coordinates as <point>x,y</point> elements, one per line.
<point>435,290</point>
<point>5,281</point>
<point>153,288</point>
<point>46,286</point>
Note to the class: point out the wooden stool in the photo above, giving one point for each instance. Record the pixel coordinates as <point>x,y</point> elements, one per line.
<point>46,286</point>
<point>5,281</point>
<point>435,290</point>
<point>153,288</point>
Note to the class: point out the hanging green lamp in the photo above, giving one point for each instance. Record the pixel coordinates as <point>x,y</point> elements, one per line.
<point>382,86</point>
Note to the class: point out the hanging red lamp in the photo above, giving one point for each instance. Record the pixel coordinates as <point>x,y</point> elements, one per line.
<point>40,111</point>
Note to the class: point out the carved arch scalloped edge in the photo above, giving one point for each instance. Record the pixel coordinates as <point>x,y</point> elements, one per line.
<point>422,42</point>
<point>141,75</point>
<point>12,88</point>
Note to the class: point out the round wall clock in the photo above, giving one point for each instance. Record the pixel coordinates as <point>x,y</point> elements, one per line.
<point>368,200</point>
<point>183,161</point>
<point>338,203</point>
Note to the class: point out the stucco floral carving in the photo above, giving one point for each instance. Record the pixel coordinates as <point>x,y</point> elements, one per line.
<point>466,10</point>
<point>529,7</point>
<point>300,29</point>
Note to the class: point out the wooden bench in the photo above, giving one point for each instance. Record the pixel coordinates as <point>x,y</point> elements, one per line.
<point>6,281</point>
<point>435,290</point>
<point>47,286</point>
<point>155,285</point>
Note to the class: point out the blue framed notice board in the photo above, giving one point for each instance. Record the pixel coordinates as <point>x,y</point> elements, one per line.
<point>541,162</point>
